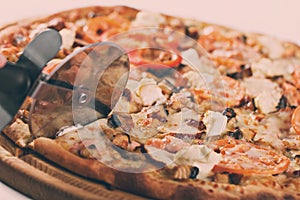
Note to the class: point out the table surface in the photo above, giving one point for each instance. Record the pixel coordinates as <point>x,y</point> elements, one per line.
<point>279,18</point>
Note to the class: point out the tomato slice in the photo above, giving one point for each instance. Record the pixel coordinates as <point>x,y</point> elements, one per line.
<point>156,59</point>
<point>296,120</point>
<point>242,157</point>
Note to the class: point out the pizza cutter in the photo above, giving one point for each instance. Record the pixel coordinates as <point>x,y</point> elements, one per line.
<point>18,78</point>
<point>56,96</point>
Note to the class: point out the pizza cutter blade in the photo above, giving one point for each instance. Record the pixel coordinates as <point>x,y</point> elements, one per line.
<point>85,86</point>
<point>17,79</point>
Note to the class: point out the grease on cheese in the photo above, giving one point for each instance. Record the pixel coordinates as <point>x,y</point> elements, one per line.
<point>215,123</point>
<point>265,92</point>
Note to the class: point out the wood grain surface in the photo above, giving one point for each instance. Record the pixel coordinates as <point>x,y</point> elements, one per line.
<point>41,179</point>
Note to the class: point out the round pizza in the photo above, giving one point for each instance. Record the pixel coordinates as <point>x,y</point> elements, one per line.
<point>207,112</point>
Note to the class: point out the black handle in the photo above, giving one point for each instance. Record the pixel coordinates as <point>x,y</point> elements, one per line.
<point>14,80</point>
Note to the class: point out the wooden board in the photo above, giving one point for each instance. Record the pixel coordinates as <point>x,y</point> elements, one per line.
<point>38,178</point>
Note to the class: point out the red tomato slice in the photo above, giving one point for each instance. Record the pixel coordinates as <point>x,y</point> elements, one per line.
<point>296,120</point>
<point>242,157</point>
<point>156,59</point>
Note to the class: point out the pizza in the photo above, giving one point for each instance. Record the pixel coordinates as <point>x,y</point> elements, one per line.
<point>175,133</point>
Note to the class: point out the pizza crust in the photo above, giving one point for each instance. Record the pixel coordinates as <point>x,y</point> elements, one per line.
<point>151,184</point>
<point>19,132</point>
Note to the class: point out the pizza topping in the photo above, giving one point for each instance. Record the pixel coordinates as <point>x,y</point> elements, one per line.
<point>192,32</point>
<point>204,65</point>
<point>146,123</point>
<point>245,71</point>
<point>198,81</point>
<point>182,99</point>
<point>291,93</point>
<point>160,155</point>
<point>236,134</point>
<point>271,46</point>
<point>148,19</point>
<point>101,28</point>
<point>20,40</point>
<point>215,123</point>
<point>233,97</point>
<point>199,156</point>
<point>154,58</point>
<point>68,38</point>
<point>180,122</point>
<point>182,172</point>
<point>270,68</point>
<point>229,113</point>
<point>124,141</point>
<point>282,103</point>
<point>245,158</point>
<point>296,120</point>
<point>168,143</point>
<point>57,23</point>
<point>149,86</point>
<point>265,92</point>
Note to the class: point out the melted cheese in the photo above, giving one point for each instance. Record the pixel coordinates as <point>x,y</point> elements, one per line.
<point>272,46</point>
<point>148,122</point>
<point>268,68</point>
<point>201,64</point>
<point>200,156</point>
<point>150,93</point>
<point>215,123</point>
<point>177,122</point>
<point>161,155</point>
<point>68,38</point>
<point>197,80</point>
<point>265,92</point>
<point>148,19</point>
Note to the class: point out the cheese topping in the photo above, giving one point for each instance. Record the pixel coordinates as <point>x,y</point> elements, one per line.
<point>150,92</point>
<point>178,122</point>
<point>265,92</point>
<point>68,38</point>
<point>198,81</point>
<point>215,123</point>
<point>202,64</point>
<point>272,46</point>
<point>268,68</point>
<point>199,156</point>
<point>148,19</point>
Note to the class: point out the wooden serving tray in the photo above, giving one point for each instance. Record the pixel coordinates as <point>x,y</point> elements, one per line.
<point>31,174</point>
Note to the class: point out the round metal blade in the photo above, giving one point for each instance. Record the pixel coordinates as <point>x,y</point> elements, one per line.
<point>141,125</point>
<point>84,87</point>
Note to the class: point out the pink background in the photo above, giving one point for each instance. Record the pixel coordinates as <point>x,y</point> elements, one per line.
<point>280,18</point>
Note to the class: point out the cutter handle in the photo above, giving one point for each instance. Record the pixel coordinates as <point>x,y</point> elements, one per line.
<point>14,80</point>
<point>14,85</point>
